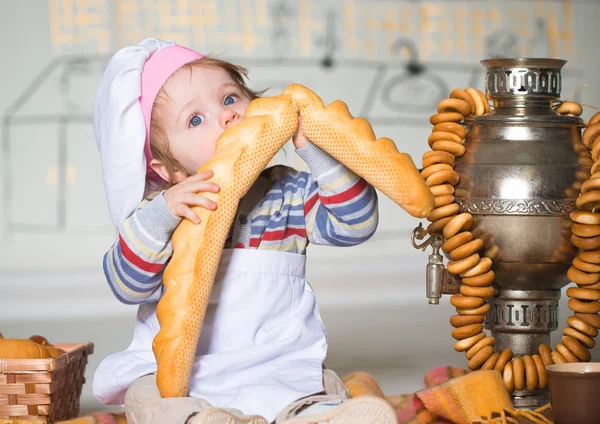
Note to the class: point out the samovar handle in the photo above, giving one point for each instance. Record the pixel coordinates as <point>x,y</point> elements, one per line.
<point>438,280</point>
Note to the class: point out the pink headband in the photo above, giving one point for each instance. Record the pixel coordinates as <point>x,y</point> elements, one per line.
<point>155,73</point>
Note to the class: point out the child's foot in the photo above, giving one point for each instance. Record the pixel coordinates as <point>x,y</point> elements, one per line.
<point>358,410</point>
<point>222,416</point>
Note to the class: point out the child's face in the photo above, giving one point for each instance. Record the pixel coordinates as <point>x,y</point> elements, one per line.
<point>200,105</point>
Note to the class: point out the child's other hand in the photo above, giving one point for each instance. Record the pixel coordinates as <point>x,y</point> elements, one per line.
<point>299,139</point>
<point>184,194</point>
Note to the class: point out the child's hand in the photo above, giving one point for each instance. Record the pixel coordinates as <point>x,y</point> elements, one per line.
<point>184,194</point>
<point>299,139</point>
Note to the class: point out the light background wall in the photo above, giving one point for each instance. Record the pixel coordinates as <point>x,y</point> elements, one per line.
<point>390,61</point>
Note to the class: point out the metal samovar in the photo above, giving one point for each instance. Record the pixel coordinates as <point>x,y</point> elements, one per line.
<point>519,178</point>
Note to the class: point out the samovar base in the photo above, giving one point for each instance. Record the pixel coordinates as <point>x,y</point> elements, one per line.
<point>527,400</point>
<point>522,320</point>
<point>520,343</point>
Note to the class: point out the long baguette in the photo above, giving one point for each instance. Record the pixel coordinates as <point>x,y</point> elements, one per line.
<point>352,142</point>
<point>242,153</point>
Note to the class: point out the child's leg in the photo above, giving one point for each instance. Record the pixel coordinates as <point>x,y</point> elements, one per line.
<point>336,406</point>
<point>358,410</point>
<point>335,391</point>
<point>144,405</point>
<point>333,384</point>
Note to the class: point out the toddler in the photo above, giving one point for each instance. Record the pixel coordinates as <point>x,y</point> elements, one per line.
<point>159,111</point>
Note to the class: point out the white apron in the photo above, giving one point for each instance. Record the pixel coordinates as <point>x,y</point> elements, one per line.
<point>262,345</point>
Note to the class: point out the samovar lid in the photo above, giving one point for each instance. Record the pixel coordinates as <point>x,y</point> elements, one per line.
<point>510,77</point>
<point>524,62</point>
<point>524,89</point>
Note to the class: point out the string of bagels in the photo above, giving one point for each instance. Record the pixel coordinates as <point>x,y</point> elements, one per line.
<point>471,253</point>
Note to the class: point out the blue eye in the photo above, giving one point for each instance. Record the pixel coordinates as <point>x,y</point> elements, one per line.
<point>196,120</point>
<point>229,101</point>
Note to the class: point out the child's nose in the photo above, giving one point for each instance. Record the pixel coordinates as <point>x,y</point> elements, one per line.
<point>229,118</point>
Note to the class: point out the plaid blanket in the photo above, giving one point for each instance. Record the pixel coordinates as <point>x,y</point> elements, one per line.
<point>454,395</point>
<point>451,395</point>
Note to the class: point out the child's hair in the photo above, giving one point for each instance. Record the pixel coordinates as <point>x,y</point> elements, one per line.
<point>159,142</point>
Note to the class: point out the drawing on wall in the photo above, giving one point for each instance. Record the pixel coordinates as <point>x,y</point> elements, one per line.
<point>54,110</point>
<point>281,21</point>
<point>391,62</point>
<point>328,41</point>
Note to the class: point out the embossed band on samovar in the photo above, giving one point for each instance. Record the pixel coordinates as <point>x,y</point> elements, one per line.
<point>517,179</point>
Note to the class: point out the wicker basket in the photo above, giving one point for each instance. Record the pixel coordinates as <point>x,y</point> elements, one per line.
<point>43,391</point>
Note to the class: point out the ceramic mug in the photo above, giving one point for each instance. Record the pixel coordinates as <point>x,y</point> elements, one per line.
<point>575,392</point>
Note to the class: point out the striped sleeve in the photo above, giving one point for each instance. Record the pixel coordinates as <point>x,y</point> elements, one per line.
<point>134,264</point>
<point>340,208</point>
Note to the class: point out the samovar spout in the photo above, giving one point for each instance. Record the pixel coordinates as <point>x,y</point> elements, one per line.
<point>438,280</point>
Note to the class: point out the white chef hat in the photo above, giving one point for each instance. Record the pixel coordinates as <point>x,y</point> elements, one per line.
<point>122,111</point>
